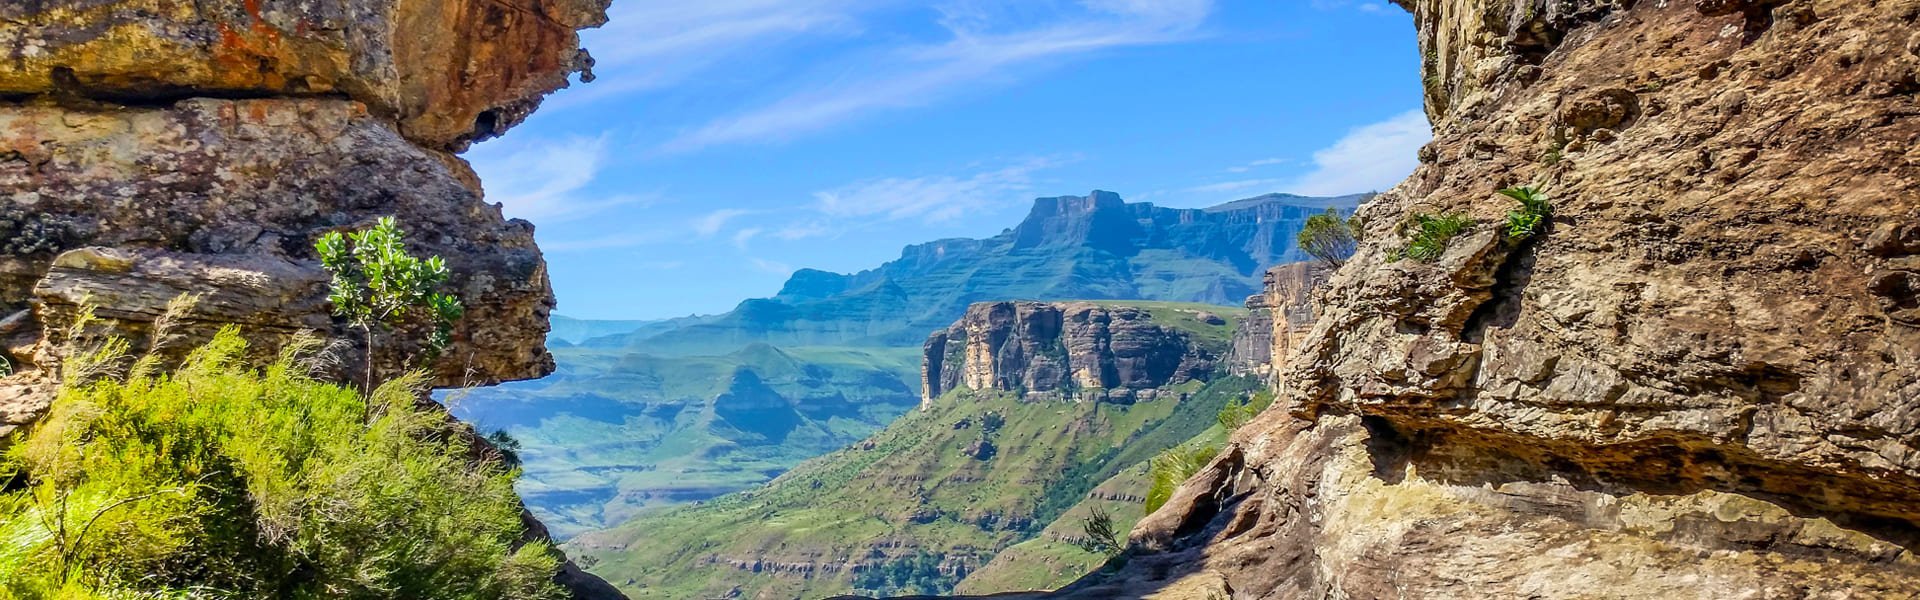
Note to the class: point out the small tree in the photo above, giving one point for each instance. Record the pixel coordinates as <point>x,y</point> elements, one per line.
<point>1330,238</point>
<point>377,284</point>
<point>1098,534</point>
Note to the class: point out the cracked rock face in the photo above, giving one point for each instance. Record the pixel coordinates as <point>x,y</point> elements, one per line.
<point>204,196</point>
<point>1075,350</point>
<point>1703,381</point>
<point>446,72</point>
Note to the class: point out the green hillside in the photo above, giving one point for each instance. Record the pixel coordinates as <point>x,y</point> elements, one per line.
<point>915,508</point>
<point>613,432</point>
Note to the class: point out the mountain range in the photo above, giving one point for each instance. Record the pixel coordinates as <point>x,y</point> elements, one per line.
<point>644,414</point>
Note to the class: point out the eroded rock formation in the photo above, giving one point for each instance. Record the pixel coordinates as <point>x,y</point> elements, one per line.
<point>1703,381</point>
<point>1079,350</point>
<point>152,148</point>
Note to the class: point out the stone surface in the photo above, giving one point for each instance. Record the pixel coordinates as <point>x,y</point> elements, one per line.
<point>226,197</point>
<point>1074,349</point>
<point>1701,382</point>
<point>446,71</point>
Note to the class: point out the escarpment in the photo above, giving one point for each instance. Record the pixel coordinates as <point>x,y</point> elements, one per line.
<point>1701,380</point>
<point>151,149</point>
<point>1078,350</point>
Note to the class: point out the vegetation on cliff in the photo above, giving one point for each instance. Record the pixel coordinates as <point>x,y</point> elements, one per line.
<point>226,481</point>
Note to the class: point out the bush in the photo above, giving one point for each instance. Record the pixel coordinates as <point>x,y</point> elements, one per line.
<point>1330,238</point>
<point>1098,534</point>
<point>1430,234</point>
<point>1238,412</point>
<point>1173,467</point>
<point>219,480</point>
<point>1533,216</point>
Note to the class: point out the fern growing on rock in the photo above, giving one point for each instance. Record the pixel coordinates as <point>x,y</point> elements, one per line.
<point>1428,235</point>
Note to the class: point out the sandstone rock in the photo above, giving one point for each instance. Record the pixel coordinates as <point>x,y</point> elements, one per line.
<point>226,197</point>
<point>1075,349</point>
<point>446,71</point>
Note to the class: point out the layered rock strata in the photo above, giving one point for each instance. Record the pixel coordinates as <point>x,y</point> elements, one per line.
<point>1077,350</point>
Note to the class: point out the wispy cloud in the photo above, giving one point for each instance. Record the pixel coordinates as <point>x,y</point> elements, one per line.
<point>651,45</point>
<point>1236,186</point>
<point>770,266</point>
<point>1370,158</point>
<point>1264,162</point>
<point>1366,6</point>
<point>546,181</point>
<point>984,41</point>
<point>928,199</point>
<point>711,223</point>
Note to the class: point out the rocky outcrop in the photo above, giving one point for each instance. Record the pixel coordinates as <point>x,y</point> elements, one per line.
<point>1278,319</point>
<point>1077,350</point>
<point>1702,381</point>
<point>151,149</point>
<point>442,72</point>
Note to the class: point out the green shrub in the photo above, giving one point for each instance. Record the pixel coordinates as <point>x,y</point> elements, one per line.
<point>1533,216</point>
<point>224,481</point>
<point>1429,235</point>
<point>1173,467</point>
<point>1098,534</point>
<point>1330,238</point>
<point>1238,412</point>
<point>376,283</point>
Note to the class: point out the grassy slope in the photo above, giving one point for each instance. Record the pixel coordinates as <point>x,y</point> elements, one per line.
<point>614,433</point>
<point>905,494</point>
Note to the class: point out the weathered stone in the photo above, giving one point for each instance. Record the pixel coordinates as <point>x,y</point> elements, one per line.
<point>1076,349</point>
<point>446,71</point>
<point>193,195</point>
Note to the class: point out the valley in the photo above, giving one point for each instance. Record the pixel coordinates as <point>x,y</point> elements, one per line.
<point>650,414</point>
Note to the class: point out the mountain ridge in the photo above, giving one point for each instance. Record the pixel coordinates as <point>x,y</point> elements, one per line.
<point>1091,247</point>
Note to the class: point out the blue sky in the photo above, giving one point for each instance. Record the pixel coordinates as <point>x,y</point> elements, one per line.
<point>727,142</point>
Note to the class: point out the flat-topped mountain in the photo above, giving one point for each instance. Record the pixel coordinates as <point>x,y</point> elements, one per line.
<point>993,462</point>
<point>1096,246</point>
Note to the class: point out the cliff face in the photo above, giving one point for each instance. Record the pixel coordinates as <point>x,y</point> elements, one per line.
<point>1701,381</point>
<point>153,148</point>
<point>1278,320</point>
<point>149,149</point>
<point>1078,350</point>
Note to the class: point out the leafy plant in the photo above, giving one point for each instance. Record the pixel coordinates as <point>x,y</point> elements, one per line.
<point>1533,216</point>
<point>1429,235</point>
<point>507,445</point>
<point>1098,534</point>
<point>1238,412</point>
<point>376,283</point>
<point>1330,238</point>
<point>223,481</point>
<point>1173,467</point>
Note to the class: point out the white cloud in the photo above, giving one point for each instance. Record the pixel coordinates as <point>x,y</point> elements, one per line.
<point>1264,162</point>
<point>711,223</point>
<point>986,40</point>
<point>1370,158</point>
<point>651,45</point>
<point>546,180</point>
<point>928,199</point>
<point>744,237</point>
<point>769,266</point>
<point>1236,186</point>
